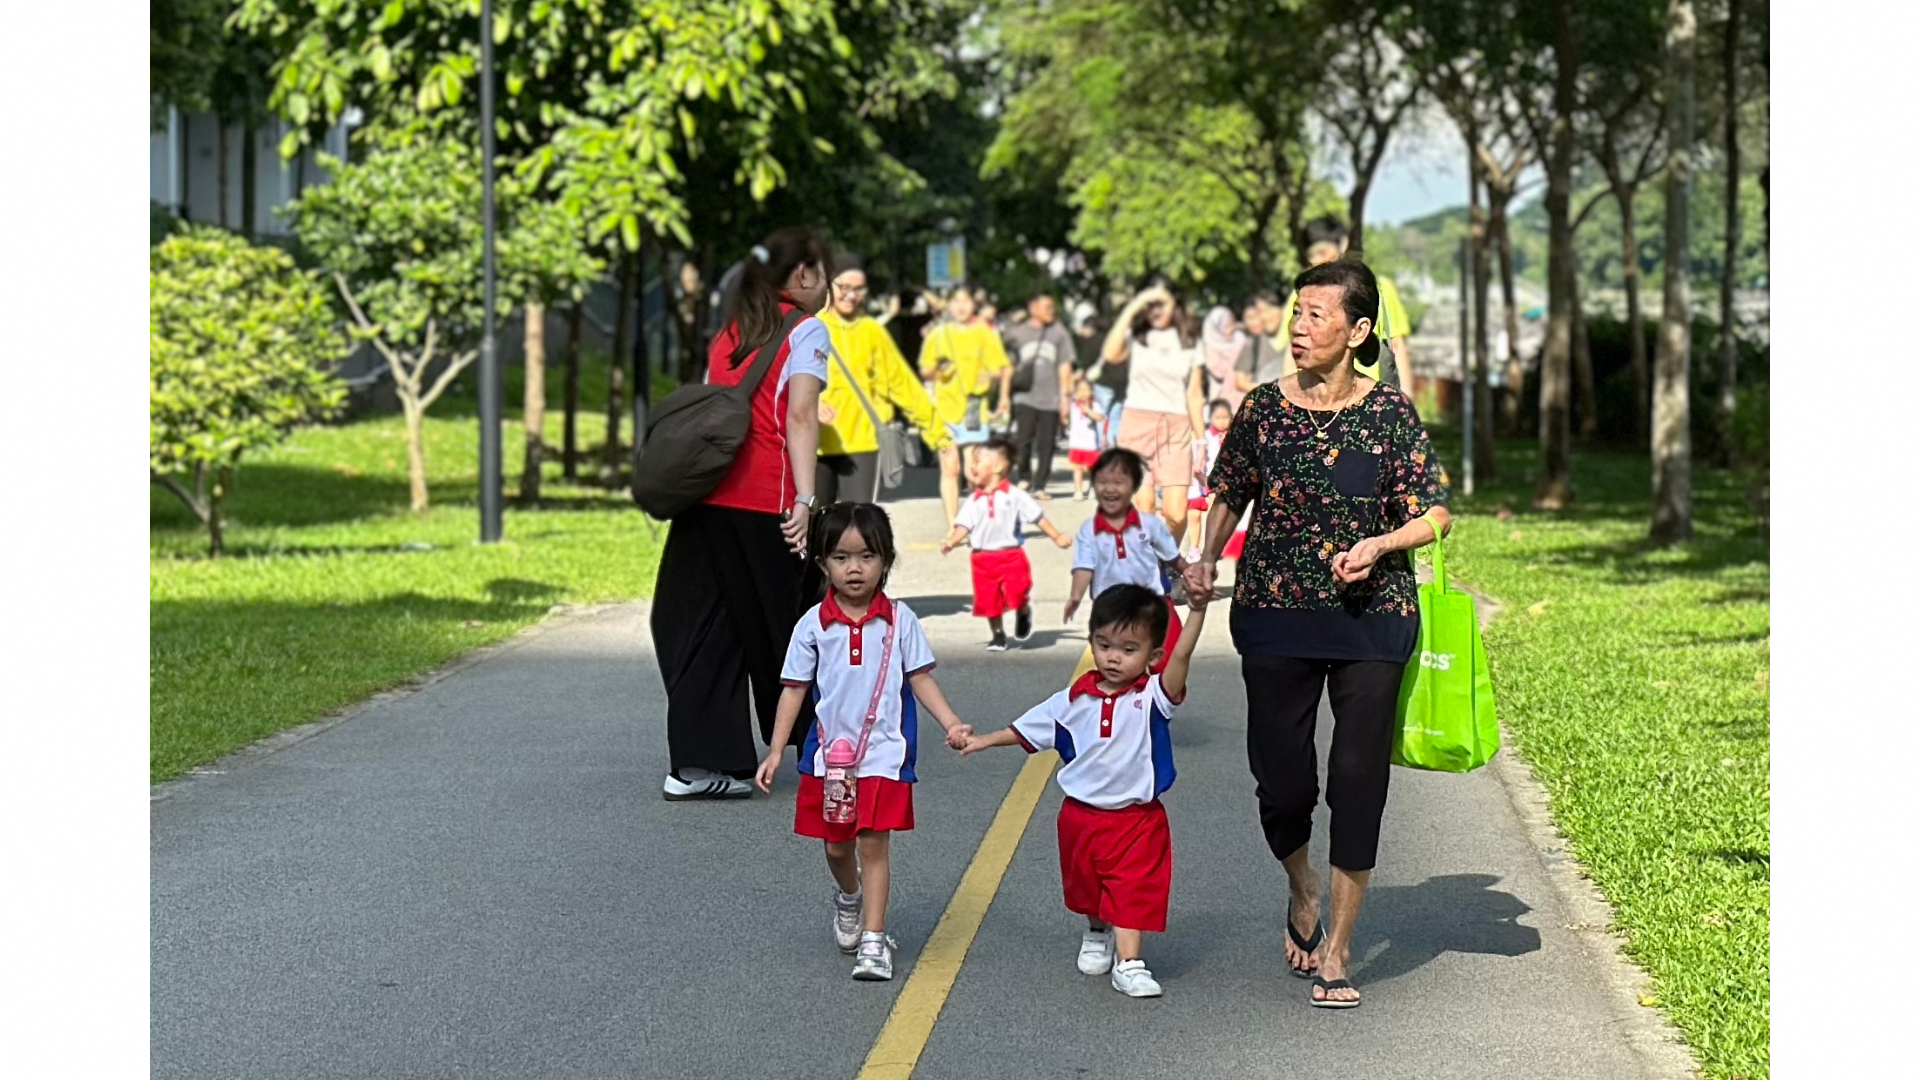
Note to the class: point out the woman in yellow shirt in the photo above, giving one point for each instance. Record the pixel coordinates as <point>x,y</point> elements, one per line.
<point>849,446</point>
<point>965,360</point>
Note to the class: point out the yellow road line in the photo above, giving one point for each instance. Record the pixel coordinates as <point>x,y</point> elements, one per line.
<point>897,1050</point>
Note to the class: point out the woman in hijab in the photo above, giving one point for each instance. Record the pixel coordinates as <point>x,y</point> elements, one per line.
<point>1224,341</point>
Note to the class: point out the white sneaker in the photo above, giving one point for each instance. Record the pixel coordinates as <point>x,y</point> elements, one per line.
<point>874,960</point>
<point>846,921</point>
<point>1132,978</point>
<point>703,784</point>
<point>1096,952</point>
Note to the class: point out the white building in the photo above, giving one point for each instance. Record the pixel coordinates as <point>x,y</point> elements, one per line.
<point>185,166</point>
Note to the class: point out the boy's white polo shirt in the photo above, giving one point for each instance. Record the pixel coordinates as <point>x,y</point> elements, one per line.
<point>837,656</point>
<point>993,516</point>
<point>1129,555</point>
<point>1115,749</point>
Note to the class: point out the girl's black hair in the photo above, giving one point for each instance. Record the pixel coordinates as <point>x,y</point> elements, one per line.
<point>1359,297</point>
<point>875,528</point>
<point>1134,464</point>
<point>756,304</point>
<point>1219,403</point>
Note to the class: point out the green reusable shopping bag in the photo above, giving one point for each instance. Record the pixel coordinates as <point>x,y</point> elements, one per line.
<point>1446,720</point>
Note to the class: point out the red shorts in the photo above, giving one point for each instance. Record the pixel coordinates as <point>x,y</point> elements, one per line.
<point>1002,581</point>
<point>1197,504</point>
<point>1083,457</point>
<point>1117,865</point>
<point>883,806</point>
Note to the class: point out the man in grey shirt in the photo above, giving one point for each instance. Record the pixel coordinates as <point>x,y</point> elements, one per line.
<point>1262,361</point>
<point>1042,353</point>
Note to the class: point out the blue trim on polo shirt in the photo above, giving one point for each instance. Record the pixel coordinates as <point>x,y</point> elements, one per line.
<point>809,746</point>
<point>910,729</point>
<point>1161,739</point>
<point>1063,742</point>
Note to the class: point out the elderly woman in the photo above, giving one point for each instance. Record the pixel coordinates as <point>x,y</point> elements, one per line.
<point>1344,483</point>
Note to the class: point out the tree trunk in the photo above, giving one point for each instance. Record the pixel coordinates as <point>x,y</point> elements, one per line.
<point>1357,216</point>
<point>1259,253</point>
<point>617,375</point>
<point>216,506</point>
<point>221,122</point>
<point>1672,442</point>
<point>1553,490</point>
<point>1485,457</point>
<point>1497,198</point>
<point>1586,395</point>
<point>416,456</point>
<point>1729,267</point>
<point>249,176</point>
<point>570,436</point>
<point>1636,320</point>
<point>534,403</point>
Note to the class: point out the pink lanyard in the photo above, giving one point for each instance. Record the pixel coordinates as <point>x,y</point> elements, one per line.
<point>879,688</point>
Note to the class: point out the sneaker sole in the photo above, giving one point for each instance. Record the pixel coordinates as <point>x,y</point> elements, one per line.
<point>1084,970</point>
<point>1153,994</point>
<point>872,976</point>
<point>698,796</point>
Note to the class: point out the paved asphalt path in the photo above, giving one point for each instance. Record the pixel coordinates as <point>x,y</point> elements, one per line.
<point>480,879</point>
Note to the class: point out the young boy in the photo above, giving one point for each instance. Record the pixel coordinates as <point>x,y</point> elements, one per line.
<point>1119,545</point>
<point>990,523</point>
<point>1110,728</point>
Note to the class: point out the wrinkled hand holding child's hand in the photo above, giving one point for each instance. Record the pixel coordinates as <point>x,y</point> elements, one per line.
<point>763,776</point>
<point>959,735</point>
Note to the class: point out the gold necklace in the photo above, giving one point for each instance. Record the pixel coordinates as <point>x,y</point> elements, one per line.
<point>1320,429</point>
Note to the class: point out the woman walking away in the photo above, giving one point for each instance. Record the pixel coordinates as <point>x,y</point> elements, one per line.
<point>1343,482</point>
<point>849,444</point>
<point>1166,396</point>
<point>965,361</point>
<point>728,590</point>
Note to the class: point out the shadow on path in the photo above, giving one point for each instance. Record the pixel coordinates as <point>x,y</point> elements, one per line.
<point>1404,926</point>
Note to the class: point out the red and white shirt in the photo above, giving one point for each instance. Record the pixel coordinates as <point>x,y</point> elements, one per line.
<point>1083,432</point>
<point>993,516</point>
<point>761,477</point>
<point>1197,488</point>
<point>1115,749</point>
<point>1129,555</point>
<point>840,657</point>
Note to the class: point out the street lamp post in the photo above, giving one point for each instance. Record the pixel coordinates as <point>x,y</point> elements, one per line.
<point>490,485</point>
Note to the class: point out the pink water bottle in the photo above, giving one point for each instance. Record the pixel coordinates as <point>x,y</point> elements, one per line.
<point>841,783</point>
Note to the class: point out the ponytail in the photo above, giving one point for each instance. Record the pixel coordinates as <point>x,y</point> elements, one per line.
<point>755,303</point>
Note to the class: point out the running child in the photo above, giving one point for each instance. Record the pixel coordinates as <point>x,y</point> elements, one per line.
<point>1119,545</point>
<point>1110,728</point>
<point>1084,420</point>
<point>1199,497</point>
<point>865,710</point>
<point>990,524</point>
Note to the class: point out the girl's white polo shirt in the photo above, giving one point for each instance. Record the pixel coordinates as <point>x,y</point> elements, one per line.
<point>1129,555</point>
<point>993,516</point>
<point>1115,749</point>
<point>838,657</point>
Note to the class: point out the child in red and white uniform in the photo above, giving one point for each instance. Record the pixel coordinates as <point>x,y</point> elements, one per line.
<point>1199,498</point>
<point>1120,545</point>
<point>865,660</point>
<point>990,523</point>
<point>1110,728</point>
<point>1084,419</point>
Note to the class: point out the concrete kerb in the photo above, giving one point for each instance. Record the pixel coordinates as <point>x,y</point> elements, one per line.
<point>558,616</point>
<point>1663,1053</point>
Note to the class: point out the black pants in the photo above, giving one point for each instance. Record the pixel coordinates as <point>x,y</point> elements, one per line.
<point>853,477</point>
<point>1283,701</point>
<point>724,608</point>
<point>1035,431</point>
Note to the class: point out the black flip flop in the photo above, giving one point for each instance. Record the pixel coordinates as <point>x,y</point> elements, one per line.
<point>1328,986</point>
<point>1305,945</point>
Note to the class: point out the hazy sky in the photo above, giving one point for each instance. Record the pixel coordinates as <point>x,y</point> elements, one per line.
<point>1425,170</point>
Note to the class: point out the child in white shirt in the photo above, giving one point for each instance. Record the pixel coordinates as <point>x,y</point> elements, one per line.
<point>1083,435</point>
<point>990,523</point>
<point>1120,545</point>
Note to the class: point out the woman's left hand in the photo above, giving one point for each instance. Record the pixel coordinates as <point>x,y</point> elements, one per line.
<point>1356,563</point>
<point>794,528</point>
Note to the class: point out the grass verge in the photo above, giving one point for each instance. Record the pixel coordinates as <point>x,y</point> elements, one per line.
<point>333,590</point>
<point>1635,681</point>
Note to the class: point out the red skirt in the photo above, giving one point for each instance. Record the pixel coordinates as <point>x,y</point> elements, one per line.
<point>1117,865</point>
<point>883,806</point>
<point>1197,504</point>
<point>1235,546</point>
<point>1083,457</point>
<point>1002,581</point>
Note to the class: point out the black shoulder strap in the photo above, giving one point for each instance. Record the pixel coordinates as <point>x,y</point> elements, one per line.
<point>749,384</point>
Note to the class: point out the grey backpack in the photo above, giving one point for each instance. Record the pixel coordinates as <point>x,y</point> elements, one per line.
<point>696,433</point>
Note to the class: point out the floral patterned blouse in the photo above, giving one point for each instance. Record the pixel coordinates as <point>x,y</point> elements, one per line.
<point>1316,491</point>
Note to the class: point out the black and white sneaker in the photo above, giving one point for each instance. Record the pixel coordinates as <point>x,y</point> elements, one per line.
<point>1023,623</point>
<point>703,784</point>
<point>998,644</point>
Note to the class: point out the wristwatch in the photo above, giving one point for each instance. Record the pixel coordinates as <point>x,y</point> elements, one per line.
<point>811,502</point>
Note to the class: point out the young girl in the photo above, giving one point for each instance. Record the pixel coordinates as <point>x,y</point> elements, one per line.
<point>865,699</point>
<point>1120,545</point>
<point>1083,435</point>
<point>1219,418</point>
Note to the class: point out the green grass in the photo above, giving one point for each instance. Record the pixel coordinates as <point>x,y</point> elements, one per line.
<point>325,596</point>
<point>1635,681</point>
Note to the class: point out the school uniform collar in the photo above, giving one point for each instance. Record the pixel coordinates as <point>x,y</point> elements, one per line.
<point>1100,522</point>
<point>1088,685</point>
<point>830,612</point>
<point>990,492</point>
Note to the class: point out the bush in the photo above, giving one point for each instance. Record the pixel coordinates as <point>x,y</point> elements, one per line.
<point>240,347</point>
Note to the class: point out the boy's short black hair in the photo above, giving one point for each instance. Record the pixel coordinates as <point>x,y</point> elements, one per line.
<point>1133,463</point>
<point>1000,446</point>
<point>1219,403</point>
<point>1125,607</point>
<point>872,523</point>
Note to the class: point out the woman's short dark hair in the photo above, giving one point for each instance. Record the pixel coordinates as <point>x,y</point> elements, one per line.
<point>873,525</point>
<point>844,261</point>
<point>1183,323</point>
<point>756,307</point>
<point>1359,297</point>
<point>1134,464</point>
<point>1323,230</point>
<point>1127,607</point>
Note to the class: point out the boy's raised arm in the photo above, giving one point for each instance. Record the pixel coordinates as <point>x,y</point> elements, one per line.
<point>1174,678</point>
